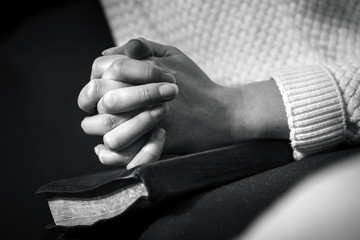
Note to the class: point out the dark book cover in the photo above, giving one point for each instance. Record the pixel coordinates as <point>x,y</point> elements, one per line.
<point>84,201</point>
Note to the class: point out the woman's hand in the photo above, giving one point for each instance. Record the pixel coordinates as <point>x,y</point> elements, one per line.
<point>203,115</point>
<point>146,148</point>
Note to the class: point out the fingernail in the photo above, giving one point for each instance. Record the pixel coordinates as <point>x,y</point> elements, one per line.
<point>168,90</point>
<point>167,77</point>
<point>135,41</point>
<point>159,134</point>
<point>129,166</point>
<point>158,112</point>
<point>96,149</point>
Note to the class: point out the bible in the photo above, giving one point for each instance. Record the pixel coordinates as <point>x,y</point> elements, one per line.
<point>89,199</point>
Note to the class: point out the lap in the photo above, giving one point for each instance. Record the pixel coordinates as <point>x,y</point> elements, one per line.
<point>220,213</point>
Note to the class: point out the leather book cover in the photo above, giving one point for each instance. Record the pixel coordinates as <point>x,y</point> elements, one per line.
<point>87,200</point>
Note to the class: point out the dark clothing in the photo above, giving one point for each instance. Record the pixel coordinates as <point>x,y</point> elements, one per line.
<point>221,213</point>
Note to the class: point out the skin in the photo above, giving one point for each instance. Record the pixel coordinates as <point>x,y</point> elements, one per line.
<point>143,90</point>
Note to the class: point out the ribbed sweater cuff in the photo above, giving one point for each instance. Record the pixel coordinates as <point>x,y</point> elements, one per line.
<point>314,108</point>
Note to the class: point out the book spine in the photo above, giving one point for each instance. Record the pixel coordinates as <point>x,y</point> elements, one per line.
<point>195,172</point>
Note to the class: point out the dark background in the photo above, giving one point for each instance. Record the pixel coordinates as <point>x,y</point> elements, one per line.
<point>46,52</point>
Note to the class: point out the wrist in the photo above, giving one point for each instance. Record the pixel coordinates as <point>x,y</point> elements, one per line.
<point>232,120</point>
<point>265,111</point>
<point>257,112</point>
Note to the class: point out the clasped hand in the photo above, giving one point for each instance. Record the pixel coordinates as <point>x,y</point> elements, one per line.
<point>142,91</point>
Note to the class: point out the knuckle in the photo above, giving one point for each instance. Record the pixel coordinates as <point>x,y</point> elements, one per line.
<point>81,103</point>
<point>175,50</point>
<point>96,64</point>
<point>110,73</point>
<point>144,94</point>
<point>93,89</point>
<point>109,122</point>
<point>119,65</point>
<point>149,71</point>
<point>109,100</point>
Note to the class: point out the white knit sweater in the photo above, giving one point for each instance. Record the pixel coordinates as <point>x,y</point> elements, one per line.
<point>310,47</point>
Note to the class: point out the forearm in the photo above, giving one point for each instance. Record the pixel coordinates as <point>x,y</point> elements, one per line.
<point>259,112</point>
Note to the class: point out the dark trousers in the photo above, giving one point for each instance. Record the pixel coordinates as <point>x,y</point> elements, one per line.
<point>221,213</point>
<point>45,60</point>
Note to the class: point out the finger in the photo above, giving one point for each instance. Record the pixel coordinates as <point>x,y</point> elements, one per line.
<point>127,133</point>
<point>100,124</point>
<point>150,49</point>
<point>130,98</point>
<point>160,50</point>
<point>138,49</point>
<point>115,50</point>
<point>93,91</point>
<point>151,151</point>
<point>135,49</point>
<point>100,64</point>
<point>108,157</point>
<point>136,72</point>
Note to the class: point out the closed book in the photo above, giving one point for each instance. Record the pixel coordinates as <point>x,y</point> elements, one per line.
<point>99,197</point>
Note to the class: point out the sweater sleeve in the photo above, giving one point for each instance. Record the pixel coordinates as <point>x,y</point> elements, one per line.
<point>322,106</point>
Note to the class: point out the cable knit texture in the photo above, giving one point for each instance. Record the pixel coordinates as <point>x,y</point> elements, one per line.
<point>303,44</point>
<point>348,76</point>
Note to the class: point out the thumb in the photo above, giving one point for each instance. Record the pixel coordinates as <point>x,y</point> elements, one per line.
<point>138,49</point>
<point>141,48</point>
<point>134,48</point>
